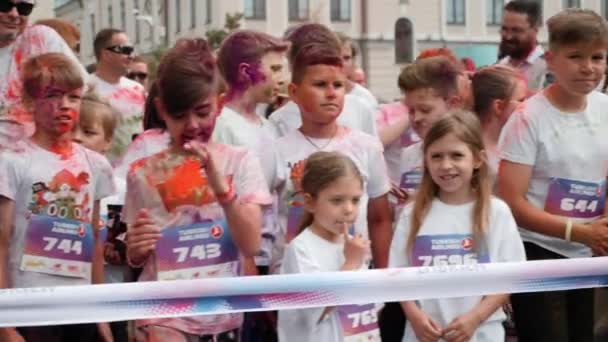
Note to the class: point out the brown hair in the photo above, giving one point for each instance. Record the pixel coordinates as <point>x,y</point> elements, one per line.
<point>467,128</point>
<point>344,39</point>
<point>321,170</point>
<point>307,34</point>
<point>66,30</point>
<point>140,59</point>
<point>433,52</point>
<point>187,74</point>
<point>313,54</point>
<point>151,117</point>
<point>574,26</point>
<point>102,39</point>
<point>94,108</point>
<point>438,73</point>
<point>245,46</point>
<point>47,70</point>
<point>496,82</point>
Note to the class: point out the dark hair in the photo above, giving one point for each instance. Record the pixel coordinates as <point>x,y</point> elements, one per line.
<point>574,25</point>
<point>321,170</point>
<point>151,117</point>
<point>245,46</point>
<point>306,34</point>
<point>439,73</point>
<point>102,39</point>
<point>187,73</point>
<point>314,54</point>
<point>530,8</point>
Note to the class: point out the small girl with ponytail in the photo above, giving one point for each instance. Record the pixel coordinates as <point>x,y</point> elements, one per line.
<point>332,187</point>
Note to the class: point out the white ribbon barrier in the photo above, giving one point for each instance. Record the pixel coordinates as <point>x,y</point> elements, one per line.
<point>127,301</point>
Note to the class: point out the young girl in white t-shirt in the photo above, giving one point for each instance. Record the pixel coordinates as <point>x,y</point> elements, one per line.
<point>455,221</point>
<point>332,187</point>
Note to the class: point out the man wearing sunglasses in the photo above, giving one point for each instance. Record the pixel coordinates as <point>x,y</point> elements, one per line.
<point>138,71</point>
<point>18,42</point>
<point>114,54</point>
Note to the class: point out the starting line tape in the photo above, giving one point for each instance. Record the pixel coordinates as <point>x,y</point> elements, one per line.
<point>128,301</point>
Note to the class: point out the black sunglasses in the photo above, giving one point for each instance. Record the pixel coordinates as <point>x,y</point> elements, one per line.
<point>121,49</point>
<point>23,8</point>
<point>138,75</point>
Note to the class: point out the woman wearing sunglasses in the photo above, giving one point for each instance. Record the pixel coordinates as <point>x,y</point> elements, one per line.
<point>18,42</point>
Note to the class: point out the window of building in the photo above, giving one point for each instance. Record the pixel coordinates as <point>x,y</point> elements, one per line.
<point>494,11</point>
<point>455,12</point>
<point>123,14</point>
<point>110,17</point>
<point>209,12</point>
<point>178,16</point>
<point>298,10</point>
<point>572,3</point>
<point>137,12</point>
<point>255,9</point>
<point>340,10</point>
<point>192,13</point>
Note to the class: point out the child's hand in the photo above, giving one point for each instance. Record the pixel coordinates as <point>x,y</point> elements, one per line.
<point>462,328</point>
<point>105,332</point>
<point>356,249</point>
<point>597,236</point>
<point>425,328</point>
<point>216,180</point>
<point>142,237</point>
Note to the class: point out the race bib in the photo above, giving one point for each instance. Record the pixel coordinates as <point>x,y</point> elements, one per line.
<point>448,249</point>
<point>411,180</point>
<point>58,246</point>
<point>576,199</point>
<point>200,250</point>
<point>359,322</point>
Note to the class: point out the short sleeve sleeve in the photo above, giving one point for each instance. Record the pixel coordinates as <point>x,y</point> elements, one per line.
<point>519,139</point>
<point>378,183</point>
<point>9,175</point>
<point>250,183</point>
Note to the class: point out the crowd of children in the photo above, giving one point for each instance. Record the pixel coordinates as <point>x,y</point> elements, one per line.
<point>465,168</point>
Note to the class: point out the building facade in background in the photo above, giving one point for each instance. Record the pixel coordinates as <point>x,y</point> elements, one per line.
<point>469,27</point>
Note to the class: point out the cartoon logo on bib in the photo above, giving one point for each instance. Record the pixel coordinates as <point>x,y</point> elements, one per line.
<point>65,196</point>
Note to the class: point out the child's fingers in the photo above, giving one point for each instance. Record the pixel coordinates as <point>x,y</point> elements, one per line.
<point>345,230</point>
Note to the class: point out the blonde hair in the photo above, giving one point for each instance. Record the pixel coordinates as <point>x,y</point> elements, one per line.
<point>574,26</point>
<point>496,82</point>
<point>94,108</point>
<point>49,70</point>
<point>467,128</point>
<point>321,170</point>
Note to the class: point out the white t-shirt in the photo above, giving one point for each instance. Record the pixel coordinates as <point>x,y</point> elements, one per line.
<point>128,98</point>
<point>310,253</point>
<point>365,95</point>
<point>231,128</point>
<point>568,153</point>
<point>446,237</point>
<point>47,185</point>
<point>157,184</point>
<point>284,167</point>
<point>387,115</point>
<point>356,114</point>
<point>34,40</point>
